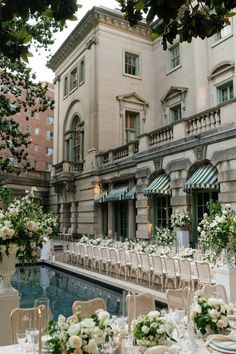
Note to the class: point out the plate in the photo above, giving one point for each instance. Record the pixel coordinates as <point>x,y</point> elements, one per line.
<point>226,346</point>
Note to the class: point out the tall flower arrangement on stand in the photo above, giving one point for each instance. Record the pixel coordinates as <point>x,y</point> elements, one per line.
<point>23,227</point>
<point>165,237</point>
<point>180,219</point>
<point>218,231</point>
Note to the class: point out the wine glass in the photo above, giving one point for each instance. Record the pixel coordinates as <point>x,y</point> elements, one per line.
<point>21,339</point>
<point>32,336</point>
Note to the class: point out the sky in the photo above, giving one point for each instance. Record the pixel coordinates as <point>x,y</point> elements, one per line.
<point>38,62</point>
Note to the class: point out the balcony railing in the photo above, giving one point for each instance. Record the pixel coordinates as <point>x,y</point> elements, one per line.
<point>68,166</point>
<point>160,136</point>
<point>119,153</point>
<point>202,122</point>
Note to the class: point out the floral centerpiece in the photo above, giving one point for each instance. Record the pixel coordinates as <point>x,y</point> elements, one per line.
<point>210,316</point>
<point>152,329</point>
<point>165,237</point>
<point>218,231</point>
<point>76,336</point>
<point>23,228</point>
<point>187,253</point>
<point>180,219</point>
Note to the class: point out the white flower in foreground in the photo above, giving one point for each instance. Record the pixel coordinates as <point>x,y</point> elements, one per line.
<point>102,315</point>
<point>91,347</point>
<point>74,329</point>
<point>145,329</point>
<point>75,342</point>
<point>153,314</point>
<point>88,322</point>
<point>196,308</point>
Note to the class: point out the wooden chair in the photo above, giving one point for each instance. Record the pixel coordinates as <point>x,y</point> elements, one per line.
<point>26,318</point>
<point>139,304</point>
<point>204,274</point>
<point>87,308</point>
<point>216,290</point>
<point>178,299</point>
<point>158,272</point>
<point>185,274</point>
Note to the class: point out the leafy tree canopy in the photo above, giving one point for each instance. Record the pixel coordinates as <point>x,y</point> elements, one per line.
<point>186,19</point>
<point>24,23</point>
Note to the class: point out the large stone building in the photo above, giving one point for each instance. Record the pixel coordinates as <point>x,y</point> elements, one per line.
<point>140,131</point>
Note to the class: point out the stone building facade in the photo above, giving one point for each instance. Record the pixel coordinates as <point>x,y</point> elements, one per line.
<point>139,131</point>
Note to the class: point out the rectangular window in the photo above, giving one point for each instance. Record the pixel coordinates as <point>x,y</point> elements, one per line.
<point>36,148</point>
<point>174,56</point>
<point>36,115</point>
<point>36,131</point>
<point>73,79</point>
<point>132,64</point>
<point>225,32</point>
<point>175,113</point>
<point>27,129</point>
<point>225,92</point>
<point>36,164</point>
<point>50,120</point>
<point>49,135</point>
<point>82,71</point>
<point>49,151</point>
<point>65,86</point>
<point>48,167</point>
<point>131,126</point>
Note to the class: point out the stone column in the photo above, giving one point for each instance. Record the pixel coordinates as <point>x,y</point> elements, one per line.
<point>142,219</point>
<point>73,217</point>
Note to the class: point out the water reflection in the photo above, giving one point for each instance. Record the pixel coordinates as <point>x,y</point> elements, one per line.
<point>62,289</point>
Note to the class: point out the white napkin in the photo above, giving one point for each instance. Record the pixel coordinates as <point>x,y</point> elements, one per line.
<point>230,337</point>
<point>163,349</point>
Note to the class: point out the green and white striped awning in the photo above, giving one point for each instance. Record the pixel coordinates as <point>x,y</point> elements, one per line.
<point>131,194</point>
<point>101,197</point>
<point>160,185</point>
<point>205,177</point>
<point>116,194</point>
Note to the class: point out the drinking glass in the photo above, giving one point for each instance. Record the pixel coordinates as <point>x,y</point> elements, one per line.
<point>32,336</point>
<point>21,339</point>
<point>43,301</point>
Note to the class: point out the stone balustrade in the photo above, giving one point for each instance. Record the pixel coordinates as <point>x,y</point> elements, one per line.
<point>202,122</point>
<point>68,166</point>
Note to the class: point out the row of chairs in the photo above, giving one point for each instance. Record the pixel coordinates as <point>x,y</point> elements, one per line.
<point>136,304</point>
<point>154,269</point>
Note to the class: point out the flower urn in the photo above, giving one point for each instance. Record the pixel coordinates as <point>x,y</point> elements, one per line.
<point>7,269</point>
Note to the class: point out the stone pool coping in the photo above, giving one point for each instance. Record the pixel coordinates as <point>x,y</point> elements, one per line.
<point>107,280</point>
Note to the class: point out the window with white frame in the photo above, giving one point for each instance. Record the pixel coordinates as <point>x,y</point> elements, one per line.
<point>36,164</point>
<point>131,126</point>
<point>50,120</point>
<point>49,135</point>
<point>81,71</point>
<point>174,56</point>
<point>73,79</point>
<point>175,113</point>
<point>36,131</point>
<point>225,92</point>
<point>36,147</point>
<point>48,167</point>
<point>224,33</point>
<point>132,64</point>
<point>49,151</point>
<point>77,141</point>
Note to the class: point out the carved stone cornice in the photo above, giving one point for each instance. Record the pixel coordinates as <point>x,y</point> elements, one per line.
<point>90,21</point>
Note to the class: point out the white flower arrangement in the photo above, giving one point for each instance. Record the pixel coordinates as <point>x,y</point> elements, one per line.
<point>210,316</point>
<point>180,218</point>
<point>72,335</point>
<point>188,253</point>
<point>165,236</point>
<point>152,329</point>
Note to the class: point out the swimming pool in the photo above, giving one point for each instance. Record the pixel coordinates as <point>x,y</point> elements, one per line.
<point>62,289</point>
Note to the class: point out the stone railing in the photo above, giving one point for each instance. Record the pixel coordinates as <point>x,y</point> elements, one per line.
<point>68,166</point>
<point>160,136</point>
<point>119,153</point>
<point>37,175</point>
<point>204,121</point>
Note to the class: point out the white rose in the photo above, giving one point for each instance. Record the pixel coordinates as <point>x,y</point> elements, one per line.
<point>102,315</point>
<point>214,314</point>
<point>75,342</point>
<point>222,322</point>
<point>91,347</point>
<point>74,329</point>
<point>145,329</point>
<point>87,322</point>
<point>196,308</point>
<point>153,314</point>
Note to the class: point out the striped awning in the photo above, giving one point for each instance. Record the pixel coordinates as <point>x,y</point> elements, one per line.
<point>205,177</point>
<point>101,197</point>
<point>160,185</point>
<point>116,194</point>
<point>131,194</point>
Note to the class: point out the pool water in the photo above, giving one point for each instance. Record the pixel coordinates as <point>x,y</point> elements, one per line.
<point>62,289</point>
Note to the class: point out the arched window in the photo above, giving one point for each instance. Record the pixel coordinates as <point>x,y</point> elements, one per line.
<point>77,140</point>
